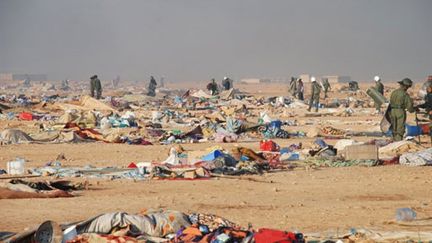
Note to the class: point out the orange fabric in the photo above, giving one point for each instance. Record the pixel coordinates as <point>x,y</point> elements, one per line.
<point>192,231</point>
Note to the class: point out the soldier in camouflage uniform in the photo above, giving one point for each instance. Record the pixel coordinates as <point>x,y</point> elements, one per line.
<point>380,88</point>
<point>314,99</point>
<point>95,85</point>
<point>151,90</point>
<point>326,86</point>
<point>400,102</point>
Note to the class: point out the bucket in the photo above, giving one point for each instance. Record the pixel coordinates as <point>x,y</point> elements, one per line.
<point>413,130</point>
<point>15,167</point>
<point>69,233</point>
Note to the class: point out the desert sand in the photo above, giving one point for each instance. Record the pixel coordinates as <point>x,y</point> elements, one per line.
<point>303,199</point>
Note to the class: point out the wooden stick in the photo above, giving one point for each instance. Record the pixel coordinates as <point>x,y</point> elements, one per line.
<point>238,177</point>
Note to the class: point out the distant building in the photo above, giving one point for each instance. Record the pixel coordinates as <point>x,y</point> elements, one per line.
<point>255,80</point>
<point>32,77</point>
<point>338,79</point>
<point>331,78</point>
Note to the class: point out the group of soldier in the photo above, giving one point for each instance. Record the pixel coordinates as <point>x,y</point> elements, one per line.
<point>296,88</point>
<point>213,88</point>
<point>400,101</point>
<point>96,86</point>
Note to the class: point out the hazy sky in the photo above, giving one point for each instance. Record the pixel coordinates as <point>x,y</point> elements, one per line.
<point>200,39</point>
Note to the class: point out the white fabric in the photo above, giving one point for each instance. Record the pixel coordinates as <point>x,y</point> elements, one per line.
<point>417,159</point>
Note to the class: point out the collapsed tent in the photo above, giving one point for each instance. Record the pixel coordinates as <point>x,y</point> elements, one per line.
<point>86,103</point>
<point>17,188</point>
<point>14,136</point>
<point>154,226</point>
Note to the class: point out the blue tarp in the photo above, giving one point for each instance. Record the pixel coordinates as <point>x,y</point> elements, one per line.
<point>212,156</point>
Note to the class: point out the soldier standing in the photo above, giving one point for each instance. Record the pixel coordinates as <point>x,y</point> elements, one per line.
<point>213,87</point>
<point>380,88</point>
<point>300,89</point>
<point>226,83</point>
<point>95,86</point>
<point>400,102</point>
<point>152,87</point>
<point>293,86</point>
<point>326,86</point>
<point>315,95</point>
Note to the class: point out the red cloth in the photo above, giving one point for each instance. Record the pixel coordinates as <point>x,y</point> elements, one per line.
<point>274,236</point>
<point>26,116</point>
<point>425,128</point>
<point>132,165</point>
<point>269,145</point>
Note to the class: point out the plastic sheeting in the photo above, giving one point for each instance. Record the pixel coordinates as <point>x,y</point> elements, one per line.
<point>417,159</point>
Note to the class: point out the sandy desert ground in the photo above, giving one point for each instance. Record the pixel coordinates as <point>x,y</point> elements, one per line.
<point>302,199</point>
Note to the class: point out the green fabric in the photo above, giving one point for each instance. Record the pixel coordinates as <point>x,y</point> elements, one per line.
<point>314,99</point>
<point>322,162</point>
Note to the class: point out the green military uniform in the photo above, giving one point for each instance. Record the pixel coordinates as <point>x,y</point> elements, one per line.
<point>400,102</point>
<point>327,86</point>
<point>95,85</point>
<point>380,88</point>
<point>152,87</point>
<point>293,87</point>
<point>314,99</point>
<point>212,87</point>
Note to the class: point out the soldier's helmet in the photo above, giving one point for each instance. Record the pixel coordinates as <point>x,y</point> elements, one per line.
<point>406,82</point>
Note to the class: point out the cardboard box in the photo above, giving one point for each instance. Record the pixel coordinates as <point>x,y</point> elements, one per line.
<point>361,152</point>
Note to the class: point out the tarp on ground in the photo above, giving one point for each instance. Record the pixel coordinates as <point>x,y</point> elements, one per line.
<point>297,104</point>
<point>227,94</point>
<point>135,98</point>
<point>420,158</point>
<point>398,148</point>
<point>212,156</point>
<point>158,224</point>
<point>237,102</point>
<point>86,103</point>
<point>86,119</point>
<point>15,136</point>
<point>201,94</point>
